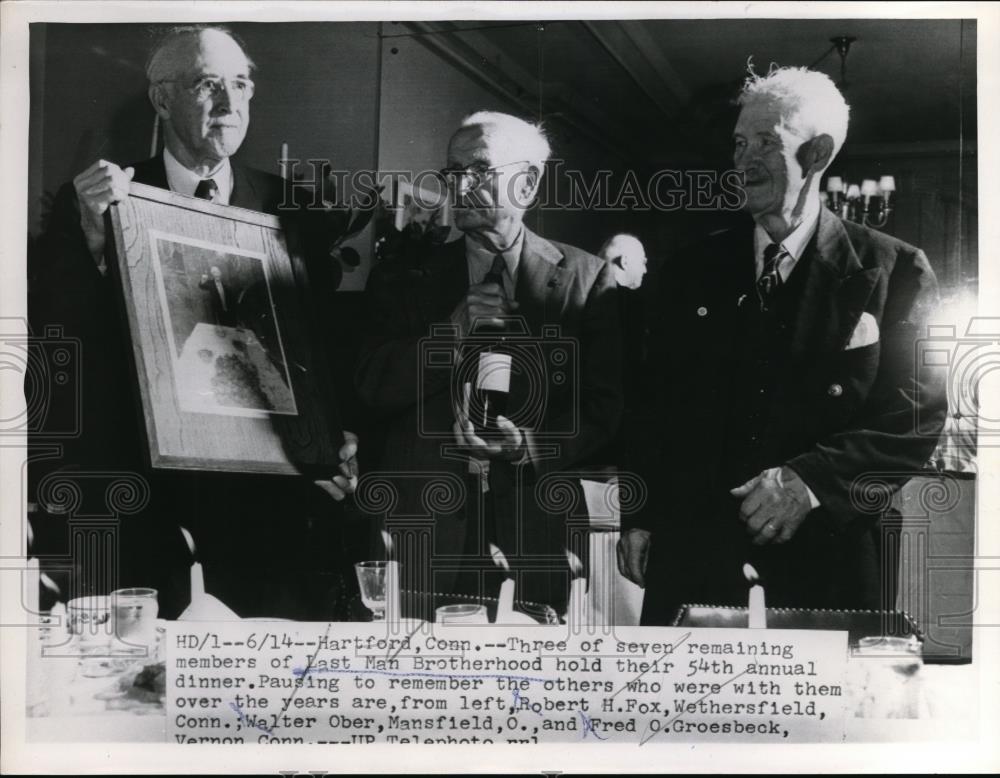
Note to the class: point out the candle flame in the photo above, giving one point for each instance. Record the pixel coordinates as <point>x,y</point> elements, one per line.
<point>498,558</point>
<point>387,539</point>
<point>189,540</point>
<point>750,573</point>
<point>575,565</point>
<point>49,584</point>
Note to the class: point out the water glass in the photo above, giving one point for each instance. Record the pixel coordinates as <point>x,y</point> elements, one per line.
<point>371,582</point>
<point>88,619</point>
<point>134,611</point>
<point>462,613</point>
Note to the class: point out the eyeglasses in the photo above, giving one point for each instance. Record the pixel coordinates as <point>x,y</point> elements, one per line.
<point>477,173</point>
<point>210,87</point>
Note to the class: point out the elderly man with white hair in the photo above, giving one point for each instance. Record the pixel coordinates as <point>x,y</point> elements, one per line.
<point>250,530</point>
<point>564,404</point>
<point>789,374</point>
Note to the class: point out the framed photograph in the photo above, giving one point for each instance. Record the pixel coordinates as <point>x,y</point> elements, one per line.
<point>421,207</point>
<point>228,371</point>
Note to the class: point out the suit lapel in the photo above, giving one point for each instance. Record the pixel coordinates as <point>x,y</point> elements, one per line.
<point>835,291</point>
<point>540,294</point>
<point>540,281</point>
<point>152,172</point>
<point>245,194</point>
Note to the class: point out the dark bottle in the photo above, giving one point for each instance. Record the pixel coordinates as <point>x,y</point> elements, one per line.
<point>491,387</point>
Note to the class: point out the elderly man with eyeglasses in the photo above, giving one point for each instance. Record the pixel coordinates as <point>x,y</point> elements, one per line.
<point>247,529</point>
<point>559,410</point>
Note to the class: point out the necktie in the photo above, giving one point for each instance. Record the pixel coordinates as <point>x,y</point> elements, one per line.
<point>770,278</point>
<point>495,275</point>
<point>206,189</point>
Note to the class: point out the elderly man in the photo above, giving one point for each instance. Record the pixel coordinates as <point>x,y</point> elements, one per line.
<point>789,346</point>
<point>500,272</point>
<point>250,531</point>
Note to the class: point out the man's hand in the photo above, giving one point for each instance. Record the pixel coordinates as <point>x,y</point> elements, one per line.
<point>633,553</point>
<point>346,481</point>
<point>485,302</point>
<point>510,446</point>
<point>774,505</point>
<point>97,187</point>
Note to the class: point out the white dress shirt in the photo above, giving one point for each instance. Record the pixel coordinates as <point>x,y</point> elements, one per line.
<point>184,181</point>
<point>480,260</point>
<point>793,245</point>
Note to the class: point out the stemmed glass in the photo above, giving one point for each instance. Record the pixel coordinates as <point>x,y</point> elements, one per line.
<point>371,581</point>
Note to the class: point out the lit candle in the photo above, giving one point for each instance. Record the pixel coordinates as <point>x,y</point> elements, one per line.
<point>197,574</point>
<point>505,605</point>
<point>757,612</point>
<point>576,614</point>
<point>393,609</point>
<point>283,163</point>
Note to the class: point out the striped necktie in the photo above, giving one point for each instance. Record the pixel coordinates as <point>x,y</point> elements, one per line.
<point>770,278</point>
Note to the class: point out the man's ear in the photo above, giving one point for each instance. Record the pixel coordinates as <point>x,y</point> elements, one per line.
<point>158,97</point>
<point>815,154</point>
<point>528,181</point>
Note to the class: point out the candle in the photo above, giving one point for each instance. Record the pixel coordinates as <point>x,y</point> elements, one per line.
<point>756,610</point>
<point>283,163</point>
<point>33,582</point>
<point>505,606</point>
<point>197,573</point>
<point>576,614</point>
<point>393,609</point>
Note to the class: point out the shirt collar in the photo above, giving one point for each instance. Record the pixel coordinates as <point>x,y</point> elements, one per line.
<point>184,181</point>
<point>479,254</point>
<point>794,244</point>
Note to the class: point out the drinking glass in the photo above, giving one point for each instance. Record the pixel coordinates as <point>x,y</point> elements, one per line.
<point>462,613</point>
<point>88,620</point>
<point>134,612</point>
<point>885,672</point>
<point>371,581</point>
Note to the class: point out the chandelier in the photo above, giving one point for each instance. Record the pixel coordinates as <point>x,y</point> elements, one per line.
<point>869,203</point>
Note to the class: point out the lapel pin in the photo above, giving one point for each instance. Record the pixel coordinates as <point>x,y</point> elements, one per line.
<point>702,311</point>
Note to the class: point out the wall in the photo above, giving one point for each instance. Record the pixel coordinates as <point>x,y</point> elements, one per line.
<point>936,203</point>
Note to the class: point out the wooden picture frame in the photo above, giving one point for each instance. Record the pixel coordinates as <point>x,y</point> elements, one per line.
<point>229,373</point>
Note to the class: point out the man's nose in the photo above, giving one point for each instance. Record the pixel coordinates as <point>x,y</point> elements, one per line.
<point>223,100</point>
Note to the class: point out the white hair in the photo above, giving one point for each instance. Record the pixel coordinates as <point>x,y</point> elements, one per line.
<point>162,62</point>
<point>810,101</point>
<point>515,137</point>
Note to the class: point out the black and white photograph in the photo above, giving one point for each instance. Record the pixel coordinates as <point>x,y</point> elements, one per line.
<point>433,387</point>
<point>223,330</point>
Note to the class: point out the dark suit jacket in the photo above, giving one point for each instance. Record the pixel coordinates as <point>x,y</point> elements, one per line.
<point>252,532</point>
<point>557,285</point>
<point>838,414</point>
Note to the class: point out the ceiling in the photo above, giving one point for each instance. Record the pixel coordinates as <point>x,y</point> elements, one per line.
<point>652,87</point>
